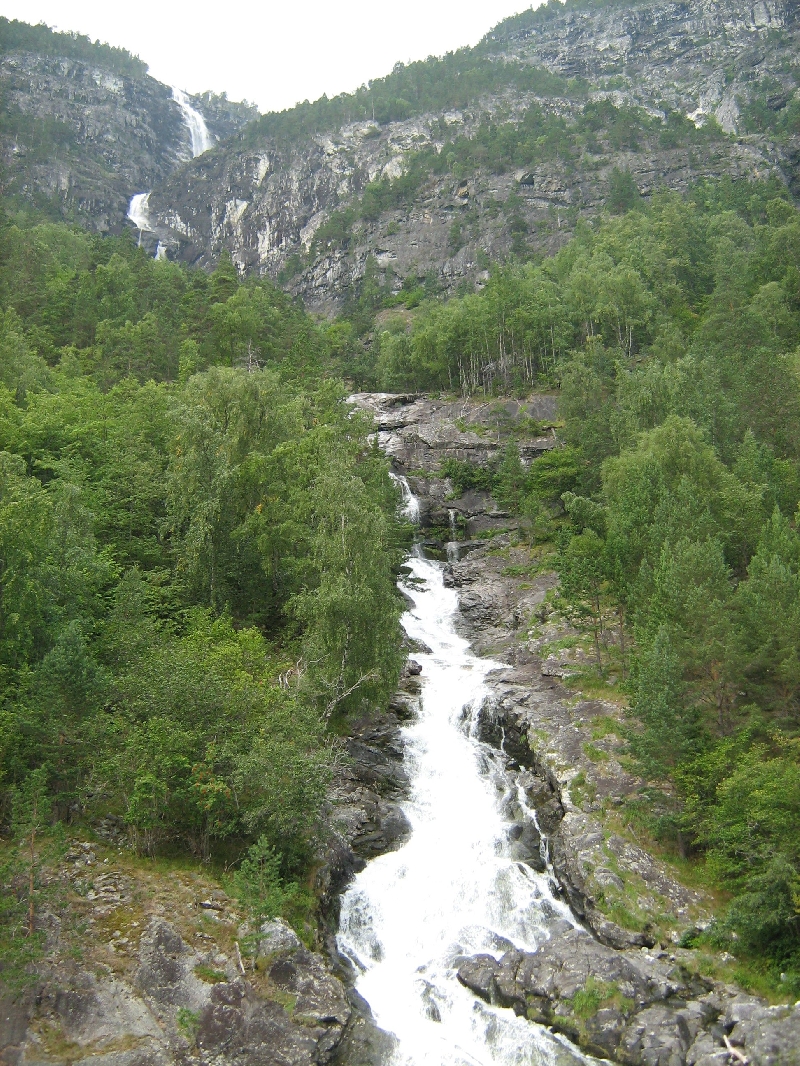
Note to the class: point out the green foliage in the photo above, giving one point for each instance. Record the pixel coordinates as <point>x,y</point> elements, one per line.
<point>679,401</point>
<point>258,882</point>
<point>109,311</point>
<point>644,315</point>
<point>466,477</point>
<point>194,529</point>
<point>445,83</point>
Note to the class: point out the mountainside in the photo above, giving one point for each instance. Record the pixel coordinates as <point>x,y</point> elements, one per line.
<point>83,127</point>
<point>445,165</point>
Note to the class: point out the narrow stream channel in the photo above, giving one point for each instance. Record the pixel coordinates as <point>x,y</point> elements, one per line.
<point>452,889</point>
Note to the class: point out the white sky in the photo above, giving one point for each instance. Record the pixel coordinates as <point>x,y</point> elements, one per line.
<point>273,53</point>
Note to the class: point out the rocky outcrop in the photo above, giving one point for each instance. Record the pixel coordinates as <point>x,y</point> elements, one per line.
<point>634,1007</point>
<point>205,1001</point>
<point>364,815</point>
<point>264,200</point>
<point>154,968</point>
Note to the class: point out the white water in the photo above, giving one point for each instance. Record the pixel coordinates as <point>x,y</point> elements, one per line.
<point>452,544</point>
<point>139,214</point>
<point>201,140</point>
<point>410,507</point>
<point>450,890</point>
<point>198,130</point>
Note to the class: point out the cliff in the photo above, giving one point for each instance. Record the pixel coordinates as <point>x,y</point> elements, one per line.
<point>556,116</point>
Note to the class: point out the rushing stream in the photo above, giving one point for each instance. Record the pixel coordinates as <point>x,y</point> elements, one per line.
<point>451,890</point>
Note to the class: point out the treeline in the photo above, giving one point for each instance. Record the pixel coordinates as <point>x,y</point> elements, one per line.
<point>648,285</point>
<point>449,82</point>
<point>672,334</point>
<point>198,548</point>
<point>18,36</point>
<point>114,312</point>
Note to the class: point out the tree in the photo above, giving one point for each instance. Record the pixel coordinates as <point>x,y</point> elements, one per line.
<point>583,583</point>
<point>31,807</point>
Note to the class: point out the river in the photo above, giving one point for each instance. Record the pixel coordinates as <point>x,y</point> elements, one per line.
<point>452,889</point>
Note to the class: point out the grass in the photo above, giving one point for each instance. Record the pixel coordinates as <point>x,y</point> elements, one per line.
<point>596,994</point>
<point>595,754</point>
<point>20,953</point>
<point>209,974</point>
<point>188,1023</point>
<point>583,792</point>
<point>604,726</point>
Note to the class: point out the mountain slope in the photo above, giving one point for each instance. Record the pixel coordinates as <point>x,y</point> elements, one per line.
<point>83,126</point>
<point>444,165</point>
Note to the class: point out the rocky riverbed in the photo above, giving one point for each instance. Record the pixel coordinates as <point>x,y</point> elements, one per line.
<point>628,992</point>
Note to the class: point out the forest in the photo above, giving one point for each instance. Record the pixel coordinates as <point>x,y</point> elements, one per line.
<point>18,36</point>
<point>199,542</point>
<point>198,553</point>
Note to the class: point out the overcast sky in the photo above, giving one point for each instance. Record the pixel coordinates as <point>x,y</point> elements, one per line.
<point>273,53</point>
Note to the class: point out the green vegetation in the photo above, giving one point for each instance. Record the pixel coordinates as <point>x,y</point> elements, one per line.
<point>450,82</point>
<point>22,37</point>
<point>198,547</point>
<point>588,1000</point>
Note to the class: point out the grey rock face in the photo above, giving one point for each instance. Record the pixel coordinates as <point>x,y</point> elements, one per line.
<point>111,135</point>
<point>264,201</point>
<point>277,936</point>
<point>647,1010</point>
<point>168,1009</point>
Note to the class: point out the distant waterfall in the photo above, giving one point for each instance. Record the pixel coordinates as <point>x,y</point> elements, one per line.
<point>139,207</point>
<point>198,130</point>
<point>139,213</point>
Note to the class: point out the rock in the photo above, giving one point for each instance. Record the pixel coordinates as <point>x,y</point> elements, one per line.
<point>125,134</point>
<point>768,1036</point>
<point>478,975</point>
<point>277,936</point>
<point>644,1015</point>
<point>263,199</point>
<point>166,969</point>
<point>657,1036</point>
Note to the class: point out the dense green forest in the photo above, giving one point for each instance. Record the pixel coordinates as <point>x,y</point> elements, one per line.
<point>671,333</point>
<point>198,548</point>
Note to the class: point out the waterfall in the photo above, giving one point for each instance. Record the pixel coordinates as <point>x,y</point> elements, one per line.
<point>198,130</point>
<point>452,889</point>
<point>139,207</point>
<point>410,508</point>
<point>452,545</point>
<point>139,214</point>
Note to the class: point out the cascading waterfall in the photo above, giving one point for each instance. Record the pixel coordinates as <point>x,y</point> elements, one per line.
<point>201,141</point>
<point>410,506</point>
<point>452,889</point>
<point>139,214</point>
<point>198,130</point>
